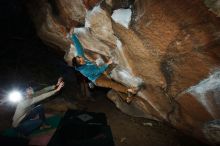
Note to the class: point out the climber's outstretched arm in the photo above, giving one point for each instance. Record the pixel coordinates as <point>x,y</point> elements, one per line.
<point>78,46</point>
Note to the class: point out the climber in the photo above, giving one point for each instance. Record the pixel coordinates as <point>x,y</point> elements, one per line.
<point>99,75</point>
<point>29,115</point>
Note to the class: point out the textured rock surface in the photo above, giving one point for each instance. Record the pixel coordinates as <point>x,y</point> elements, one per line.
<point>214,6</point>
<point>172,45</point>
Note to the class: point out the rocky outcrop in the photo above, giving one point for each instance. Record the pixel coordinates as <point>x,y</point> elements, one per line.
<point>172,45</point>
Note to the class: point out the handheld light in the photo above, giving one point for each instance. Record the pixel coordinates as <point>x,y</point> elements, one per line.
<point>15,96</point>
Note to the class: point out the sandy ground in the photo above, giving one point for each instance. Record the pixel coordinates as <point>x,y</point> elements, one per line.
<point>131,131</point>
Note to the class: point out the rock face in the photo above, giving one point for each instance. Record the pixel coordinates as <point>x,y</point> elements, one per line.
<point>172,45</point>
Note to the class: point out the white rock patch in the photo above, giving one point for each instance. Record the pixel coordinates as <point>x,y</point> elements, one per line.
<point>80,30</point>
<point>97,9</point>
<point>212,83</point>
<point>122,16</point>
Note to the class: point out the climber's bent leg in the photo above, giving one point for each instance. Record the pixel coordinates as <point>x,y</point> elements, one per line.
<point>121,75</point>
<point>104,81</point>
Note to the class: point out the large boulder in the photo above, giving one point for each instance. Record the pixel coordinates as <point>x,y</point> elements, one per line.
<point>172,45</point>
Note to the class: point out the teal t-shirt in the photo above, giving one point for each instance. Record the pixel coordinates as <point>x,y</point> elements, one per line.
<point>89,70</point>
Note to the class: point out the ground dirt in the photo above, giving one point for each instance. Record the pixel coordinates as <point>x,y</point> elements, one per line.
<point>131,131</point>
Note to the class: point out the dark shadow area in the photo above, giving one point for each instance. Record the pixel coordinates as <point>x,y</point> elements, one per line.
<point>23,54</point>
<point>26,61</point>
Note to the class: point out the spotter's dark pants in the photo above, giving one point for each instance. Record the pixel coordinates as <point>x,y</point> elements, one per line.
<point>30,123</point>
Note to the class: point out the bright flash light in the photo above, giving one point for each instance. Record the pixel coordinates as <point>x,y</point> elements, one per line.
<point>15,96</point>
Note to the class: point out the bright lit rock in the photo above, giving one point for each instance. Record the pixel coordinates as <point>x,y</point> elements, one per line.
<point>122,16</point>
